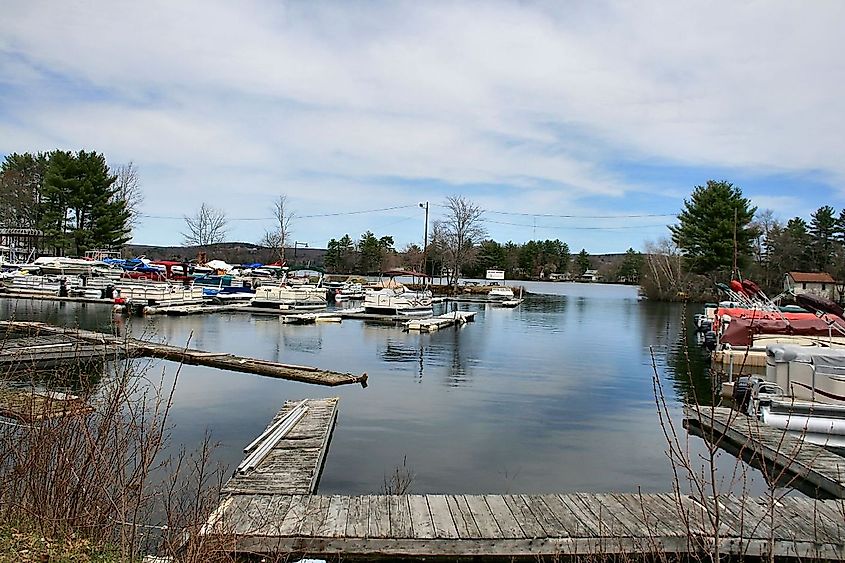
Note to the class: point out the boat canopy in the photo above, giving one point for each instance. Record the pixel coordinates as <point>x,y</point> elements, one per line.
<point>782,353</point>
<point>828,361</point>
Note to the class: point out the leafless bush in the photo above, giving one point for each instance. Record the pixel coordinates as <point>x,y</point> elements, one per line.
<point>105,475</point>
<point>399,481</point>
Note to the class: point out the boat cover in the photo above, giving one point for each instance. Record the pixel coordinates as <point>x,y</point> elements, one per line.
<point>741,330</point>
<point>817,355</point>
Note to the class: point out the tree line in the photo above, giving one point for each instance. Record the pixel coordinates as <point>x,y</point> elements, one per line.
<point>75,199</point>
<point>720,235</point>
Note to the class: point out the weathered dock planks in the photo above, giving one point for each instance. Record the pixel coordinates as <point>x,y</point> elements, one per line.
<point>53,351</point>
<point>294,464</point>
<point>794,460</point>
<point>527,525</point>
<point>220,360</point>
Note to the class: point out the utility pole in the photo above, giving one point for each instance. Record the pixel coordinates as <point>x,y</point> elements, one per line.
<point>425,238</point>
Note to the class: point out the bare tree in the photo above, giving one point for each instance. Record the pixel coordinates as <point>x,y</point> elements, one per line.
<point>278,237</point>
<point>127,188</point>
<point>206,226</point>
<point>458,233</point>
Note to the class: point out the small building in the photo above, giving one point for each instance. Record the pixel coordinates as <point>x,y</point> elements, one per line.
<point>816,283</point>
<point>590,276</point>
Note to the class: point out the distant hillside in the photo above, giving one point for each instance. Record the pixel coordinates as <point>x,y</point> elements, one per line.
<point>231,252</point>
<point>247,253</point>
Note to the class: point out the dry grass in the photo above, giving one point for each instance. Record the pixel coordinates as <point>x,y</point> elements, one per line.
<point>99,486</point>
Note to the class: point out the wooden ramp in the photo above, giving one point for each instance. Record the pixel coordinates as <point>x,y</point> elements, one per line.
<point>528,526</point>
<point>793,460</point>
<point>294,463</point>
<point>220,360</point>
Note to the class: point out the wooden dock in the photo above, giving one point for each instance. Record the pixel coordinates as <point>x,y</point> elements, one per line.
<point>53,351</point>
<point>40,296</point>
<point>795,462</point>
<point>294,463</point>
<point>274,510</point>
<point>432,324</point>
<point>528,526</point>
<point>109,347</point>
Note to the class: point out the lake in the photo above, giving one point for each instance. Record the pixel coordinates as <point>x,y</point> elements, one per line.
<point>554,396</point>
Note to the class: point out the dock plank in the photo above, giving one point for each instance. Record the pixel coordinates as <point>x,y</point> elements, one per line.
<point>441,517</point>
<point>529,524</point>
<point>378,517</point>
<point>357,517</point>
<point>462,516</point>
<point>422,523</point>
<point>508,524</point>
<point>400,517</point>
<point>334,524</point>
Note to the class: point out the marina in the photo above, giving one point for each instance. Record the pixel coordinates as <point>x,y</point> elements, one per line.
<point>291,493</point>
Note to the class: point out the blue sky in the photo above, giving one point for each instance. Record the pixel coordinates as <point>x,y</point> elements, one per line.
<point>584,121</point>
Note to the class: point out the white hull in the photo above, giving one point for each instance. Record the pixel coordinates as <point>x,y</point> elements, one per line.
<point>398,302</point>
<point>808,373</point>
<point>158,293</point>
<point>283,297</point>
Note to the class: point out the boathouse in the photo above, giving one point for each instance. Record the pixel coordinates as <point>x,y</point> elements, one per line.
<point>816,283</point>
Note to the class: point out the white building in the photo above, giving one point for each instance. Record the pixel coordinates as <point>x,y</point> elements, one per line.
<point>817,283</point>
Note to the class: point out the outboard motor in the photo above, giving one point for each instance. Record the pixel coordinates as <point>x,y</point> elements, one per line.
<point>108,291</point>
<point>706,325</point>
<point>710,340</point>
<point>742,392</point>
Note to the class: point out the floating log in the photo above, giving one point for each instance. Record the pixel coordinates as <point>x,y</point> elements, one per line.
<point>110,346</point>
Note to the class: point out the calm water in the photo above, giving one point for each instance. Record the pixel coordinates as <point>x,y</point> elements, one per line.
<point>553,396</point>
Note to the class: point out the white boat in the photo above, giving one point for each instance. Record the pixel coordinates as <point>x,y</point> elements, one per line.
<point>398,301</point>
<point>349,291</point>
<point>157,293</point>
<point>813,421</point>
<point>803,392</point>
<point>287,297</point>
<point>67,266</point>
<point>807,373</point>
<point>501,292</point>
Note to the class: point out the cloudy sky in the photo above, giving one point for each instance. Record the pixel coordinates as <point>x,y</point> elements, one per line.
<point>584,121</point>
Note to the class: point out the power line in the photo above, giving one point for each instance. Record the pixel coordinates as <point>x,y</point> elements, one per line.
<point>570,216</point>
<point>298,216</point>
<point>559,227</point>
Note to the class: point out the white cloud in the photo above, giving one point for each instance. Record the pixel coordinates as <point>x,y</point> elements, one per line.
<point>544,98</point>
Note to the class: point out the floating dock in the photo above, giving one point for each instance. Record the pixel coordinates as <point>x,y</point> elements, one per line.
<point>796,463</point>
<point>432,324</point>
<point>294,463</point>
<point>108,347</point>
<point>54,351</point>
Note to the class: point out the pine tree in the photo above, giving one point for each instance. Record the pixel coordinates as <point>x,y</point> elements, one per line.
<point>713,217</point>
<point>823,226</point>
